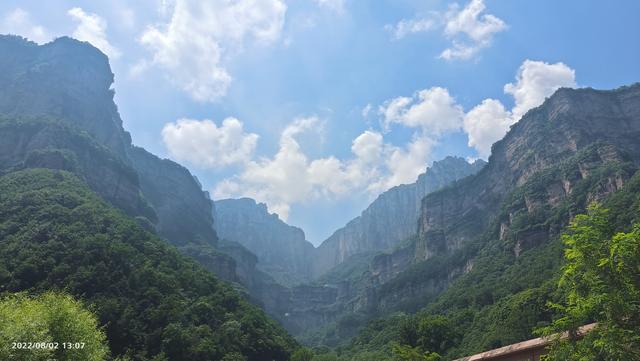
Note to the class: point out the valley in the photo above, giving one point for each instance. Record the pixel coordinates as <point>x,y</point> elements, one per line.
<point>471,256</point>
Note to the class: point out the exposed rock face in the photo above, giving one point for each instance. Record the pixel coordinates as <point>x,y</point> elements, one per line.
<point>65,79</point>
<point>48,144</point>
<point>282,250</point>
<point>69,82</point>
<point>69,121</point>
<point>392,217</point>
<point>579,146</point>
<point>568,122</point>
<point>184,210</point>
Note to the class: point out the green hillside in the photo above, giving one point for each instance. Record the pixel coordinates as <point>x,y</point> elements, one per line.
<point>154,303</point>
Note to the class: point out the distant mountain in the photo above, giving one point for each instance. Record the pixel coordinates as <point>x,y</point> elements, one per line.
<point>487,250</point>
<point>282,250</point>
<point>57,113</point>
<point>391,218</point>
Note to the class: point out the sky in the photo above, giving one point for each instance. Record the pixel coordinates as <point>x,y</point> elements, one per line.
<point>315,107</point>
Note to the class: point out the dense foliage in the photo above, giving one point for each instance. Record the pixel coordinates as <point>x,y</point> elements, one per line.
<point>152,302</point>
<point>600,283</point>
<point>505,296</point>
<point>49,326</point>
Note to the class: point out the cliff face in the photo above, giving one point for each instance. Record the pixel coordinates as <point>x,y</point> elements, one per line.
<point>65,79</point>
<point>579,146</point>
<point>60,114</point>
<point>68,83</point>
<point>31,143</point>
<point>392,217</point>
<point>566,124</point>
<point>184,210</point>
<point>282,250</point>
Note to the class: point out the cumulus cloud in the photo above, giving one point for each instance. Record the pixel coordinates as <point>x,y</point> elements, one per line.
<point>404,164</point>
<point>489,121</point>
<point>291,176</point>
<point>93,29</point>
<point>434,110</point>
<point>19,22</point>
<point>535,81</point>
<point>468,28</point>
<point>201,36</point>
<point>203,143</point>
<point>485,124</point>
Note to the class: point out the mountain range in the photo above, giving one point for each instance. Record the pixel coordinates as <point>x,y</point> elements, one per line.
<point>174,275</point>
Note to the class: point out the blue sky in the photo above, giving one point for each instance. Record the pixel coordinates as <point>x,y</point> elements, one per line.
<point>316,106</point>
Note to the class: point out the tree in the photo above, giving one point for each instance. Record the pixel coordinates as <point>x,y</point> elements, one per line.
<point>600,283</point>
<point>409,353</point>
<point>302,354</point>
<point>49,326</point>
<point>436,334</point>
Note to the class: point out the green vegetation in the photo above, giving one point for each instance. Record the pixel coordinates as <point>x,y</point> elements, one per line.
<point>506,296</point>
<point>50,326</point>
<point>600,283</point>
<point>152,302</point>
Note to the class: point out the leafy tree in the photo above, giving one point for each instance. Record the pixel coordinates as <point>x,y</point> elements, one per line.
<point>409,353</point>
<point>49,326</point>
<point>302,354</point>
<point>600,282</point>
<point>436,334</point>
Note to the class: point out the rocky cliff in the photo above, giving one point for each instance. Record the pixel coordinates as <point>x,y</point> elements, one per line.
<point>567,123</point>
<point>65,79</point>
<point>392,217</point>
<point>282,250</point>
<point>43,143</point>
<point>477,235</point>
<point>68,83</point>
<point>184,209</point>
<point>60,114</point>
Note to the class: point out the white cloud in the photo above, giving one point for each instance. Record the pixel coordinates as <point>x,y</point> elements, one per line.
<point>336,6</point>
<point>485,124</point>
<point>469,29</point>
<point>489,122</point>
<point>19,22</point>
<point>403,165</point>
<point>476,28</point>
<point>411,26</point>
<point>290,176</point>
<point>368,147</point>
<point>92,28</point>
<point>535,81</point>
<point>434,110</point>
<point>201,37</point>
<point>203,143</point>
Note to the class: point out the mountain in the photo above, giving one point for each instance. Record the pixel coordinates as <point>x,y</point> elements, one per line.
<point>282,250</point>
<point>391,218</point>
<point>184,210</point>
<point>488,249</point>
<point>64,79</point>
<point>71,82</point>
<point>154,303</point>
<point>107,213</point>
